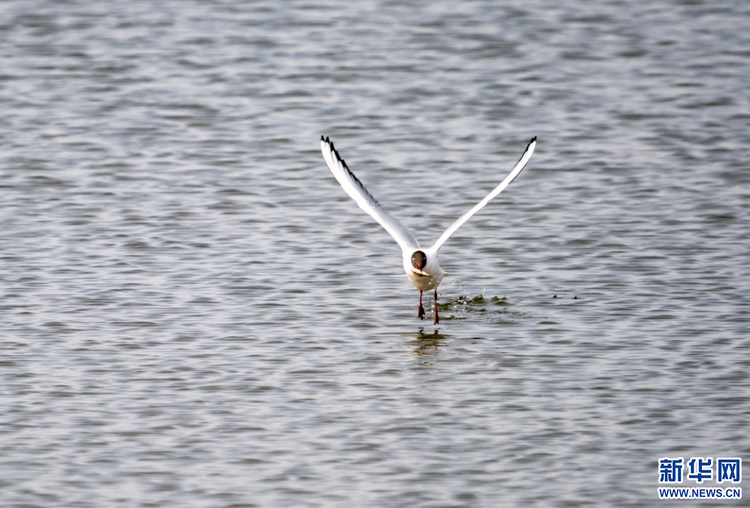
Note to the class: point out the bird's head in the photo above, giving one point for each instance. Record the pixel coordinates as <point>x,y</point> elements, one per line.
<point>418,263</point>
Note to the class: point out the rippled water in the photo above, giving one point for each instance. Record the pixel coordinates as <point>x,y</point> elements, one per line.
<point>195,314</point>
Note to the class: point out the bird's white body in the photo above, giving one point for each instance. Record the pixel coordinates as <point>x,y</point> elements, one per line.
<point>421,265</point>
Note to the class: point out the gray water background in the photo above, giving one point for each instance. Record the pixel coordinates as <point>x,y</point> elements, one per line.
<point>195,314</point>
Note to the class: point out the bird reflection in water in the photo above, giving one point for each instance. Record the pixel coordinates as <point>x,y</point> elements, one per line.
<point>427,344</point>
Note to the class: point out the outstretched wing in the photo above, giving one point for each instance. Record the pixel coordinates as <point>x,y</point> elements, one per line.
<point>513,174</point>
<point>364,199</point>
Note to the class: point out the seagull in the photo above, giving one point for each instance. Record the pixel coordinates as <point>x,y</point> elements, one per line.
<point>420,264</point>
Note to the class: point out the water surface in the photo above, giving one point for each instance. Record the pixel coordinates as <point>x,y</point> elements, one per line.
<point>195,313</point>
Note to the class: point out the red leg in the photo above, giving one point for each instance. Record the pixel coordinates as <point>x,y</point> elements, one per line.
<point>437,320</point>
<point>420,314</point>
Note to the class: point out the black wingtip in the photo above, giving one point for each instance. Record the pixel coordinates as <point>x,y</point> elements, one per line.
<point>322,138</point>
<point>532,140</point>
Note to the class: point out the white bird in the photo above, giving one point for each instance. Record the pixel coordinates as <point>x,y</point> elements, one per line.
<point>421,265</point>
